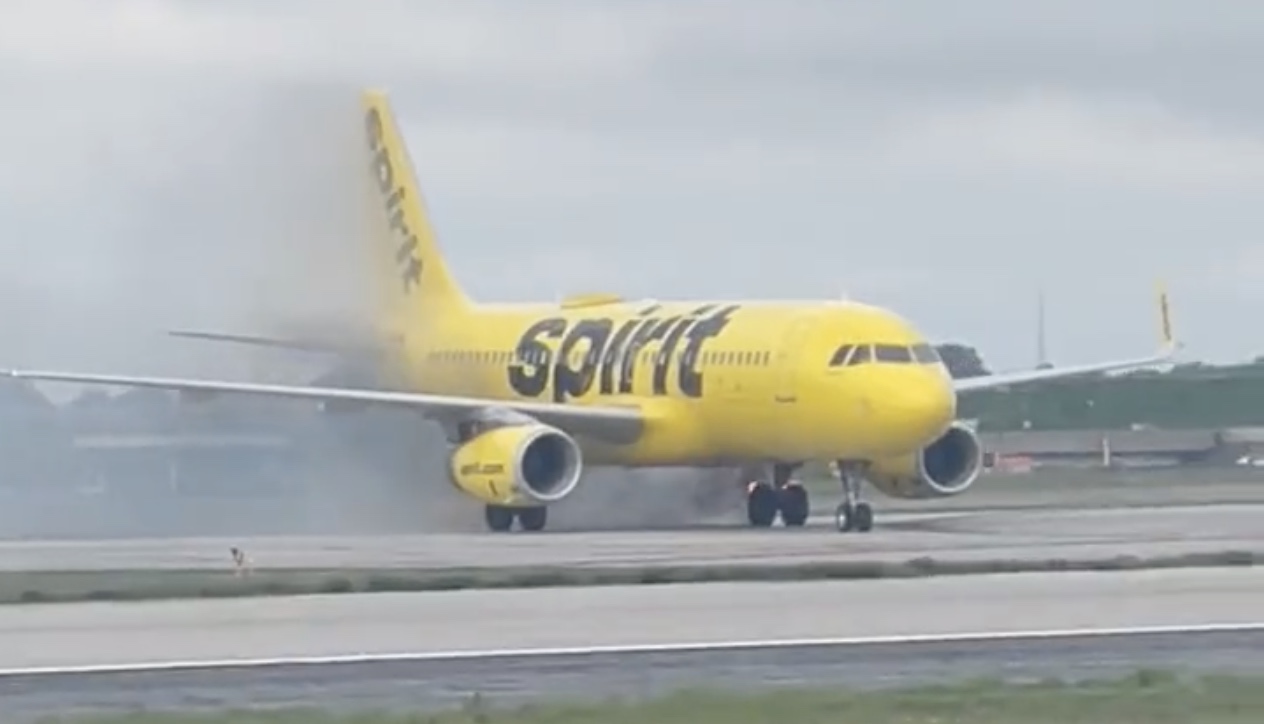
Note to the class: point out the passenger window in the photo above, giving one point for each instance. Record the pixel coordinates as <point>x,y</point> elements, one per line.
<point>892,353</point>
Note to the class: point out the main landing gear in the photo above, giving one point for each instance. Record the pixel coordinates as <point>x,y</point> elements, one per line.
<point>852,514</point>
<point>764,501</point>
<point>500,518</point>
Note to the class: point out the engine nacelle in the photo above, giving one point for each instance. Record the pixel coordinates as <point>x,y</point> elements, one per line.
<point>530,464</point>
<point>946,467</point>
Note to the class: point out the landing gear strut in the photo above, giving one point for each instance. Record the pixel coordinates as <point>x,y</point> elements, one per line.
<point>500,518</point>
<point>764,501</point>
<point>852,514</point>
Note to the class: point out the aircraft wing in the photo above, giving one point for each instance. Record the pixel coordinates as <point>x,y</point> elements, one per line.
<point>611,423</point>
<point>1166,354</point>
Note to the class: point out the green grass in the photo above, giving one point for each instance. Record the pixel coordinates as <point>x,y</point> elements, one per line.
<point>70,586</point>
<point>1141,698</point>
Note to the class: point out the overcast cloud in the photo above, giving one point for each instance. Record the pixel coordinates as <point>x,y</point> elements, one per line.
<point>176,164</point>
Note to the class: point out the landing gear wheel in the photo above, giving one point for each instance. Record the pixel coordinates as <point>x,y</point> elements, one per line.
<point>761,505</point>
<point>498,517</point>
<point>533,518</point>
<point>794,505</point>
<point>852,513</point>
<point>849,517</point>
<point>863,517</point>
<point>844,517</point>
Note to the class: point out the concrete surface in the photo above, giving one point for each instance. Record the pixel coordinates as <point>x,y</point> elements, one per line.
<point>486,620</point>
<point>425,650</point>
<point>899,536</point>
<point>435,684</point>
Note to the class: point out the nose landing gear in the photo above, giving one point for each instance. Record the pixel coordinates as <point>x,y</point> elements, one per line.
<point>852,514</point>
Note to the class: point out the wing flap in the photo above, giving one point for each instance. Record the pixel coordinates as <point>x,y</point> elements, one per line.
<point>610,423</point>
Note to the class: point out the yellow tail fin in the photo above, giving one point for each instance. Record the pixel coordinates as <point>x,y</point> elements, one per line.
<point>1170,343</point>
<point>411,271</point>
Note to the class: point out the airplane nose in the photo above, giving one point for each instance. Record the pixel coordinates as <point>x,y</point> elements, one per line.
<point>915,409</point>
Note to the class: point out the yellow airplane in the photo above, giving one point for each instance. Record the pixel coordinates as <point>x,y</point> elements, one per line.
<point>531,394</point>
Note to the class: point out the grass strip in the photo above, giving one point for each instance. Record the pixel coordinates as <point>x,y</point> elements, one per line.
<point>138,585</point>
<point>1145,697</point>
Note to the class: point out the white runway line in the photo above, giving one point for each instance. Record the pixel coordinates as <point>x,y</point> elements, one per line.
<point>976,637</point>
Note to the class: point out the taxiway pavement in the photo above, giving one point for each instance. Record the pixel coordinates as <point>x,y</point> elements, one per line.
<point>483,620</point>
<point>424,650</point>
<point>947,535</point>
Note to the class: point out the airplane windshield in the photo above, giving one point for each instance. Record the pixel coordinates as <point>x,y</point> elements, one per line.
<point>926,354</point>
<point>849,355</point>
<point>891,353</point>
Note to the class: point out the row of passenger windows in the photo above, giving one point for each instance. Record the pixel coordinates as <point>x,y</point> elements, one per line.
<point>847,355</point>
<point>856,354</point>
<point>748,358</point>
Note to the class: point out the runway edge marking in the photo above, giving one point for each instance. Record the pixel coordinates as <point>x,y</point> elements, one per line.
<point>458,655</point>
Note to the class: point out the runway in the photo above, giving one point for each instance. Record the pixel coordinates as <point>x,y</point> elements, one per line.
<point>947,535</point>
<point>431,649</point>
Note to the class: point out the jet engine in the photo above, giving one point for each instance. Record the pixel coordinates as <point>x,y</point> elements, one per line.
<point>517,465</point>
<point>946,467</point>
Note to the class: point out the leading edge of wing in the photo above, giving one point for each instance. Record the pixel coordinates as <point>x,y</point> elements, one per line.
<point>1168,348</point>
<point>616,424</point>
<point>1003,379</point>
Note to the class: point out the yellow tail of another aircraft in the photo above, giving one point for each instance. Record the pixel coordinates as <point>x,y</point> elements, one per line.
<point>531,395</point>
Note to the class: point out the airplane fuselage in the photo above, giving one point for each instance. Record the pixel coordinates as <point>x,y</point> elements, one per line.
<point>719,382</point>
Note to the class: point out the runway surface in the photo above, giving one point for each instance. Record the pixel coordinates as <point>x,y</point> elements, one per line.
<point>948,535</point>
<point>420,630</point>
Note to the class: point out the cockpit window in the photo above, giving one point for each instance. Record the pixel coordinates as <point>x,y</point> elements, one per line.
<point>925,353</point>
<point>840,357</point>
<point>892,353</point>
<point>850,355</point>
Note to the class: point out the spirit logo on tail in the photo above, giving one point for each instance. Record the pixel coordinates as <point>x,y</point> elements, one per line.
<point>393,194</point>
<point>536,367</point>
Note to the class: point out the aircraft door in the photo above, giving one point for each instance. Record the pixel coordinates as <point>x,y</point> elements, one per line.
<point>786,369</point>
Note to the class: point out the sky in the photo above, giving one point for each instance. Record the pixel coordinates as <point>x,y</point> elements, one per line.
<point>178,164</point>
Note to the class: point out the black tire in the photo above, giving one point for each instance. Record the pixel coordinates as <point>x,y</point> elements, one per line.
<point>863,517</point>
<point>533,519</point>
<point>761,505</point>
<point>844,518</point>
<point>498,517</point>
<point>794,506</point>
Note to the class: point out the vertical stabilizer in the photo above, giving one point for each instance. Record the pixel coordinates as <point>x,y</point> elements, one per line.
<point>411,273</point>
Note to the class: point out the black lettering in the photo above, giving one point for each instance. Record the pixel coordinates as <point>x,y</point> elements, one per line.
<point>529,373</point>
<point>627,369</point>
<point>688,376</point>
<point>576,381</point>
<point>612,354</point>
<point>603,350</point>
<point>664,359</point>
<point>406,256</point>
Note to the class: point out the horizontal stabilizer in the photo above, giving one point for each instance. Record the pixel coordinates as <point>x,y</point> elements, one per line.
<point>344,346</point>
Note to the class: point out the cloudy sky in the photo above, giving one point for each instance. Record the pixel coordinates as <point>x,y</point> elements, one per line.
<point>171,163</point>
